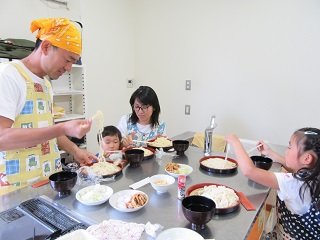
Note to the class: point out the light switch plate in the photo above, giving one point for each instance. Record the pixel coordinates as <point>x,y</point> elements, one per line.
<point>188,84</point>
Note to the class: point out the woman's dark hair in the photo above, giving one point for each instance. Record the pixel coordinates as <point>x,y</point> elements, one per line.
<point>308,139</point>
<point>110,131</point>
<point>147,96</point>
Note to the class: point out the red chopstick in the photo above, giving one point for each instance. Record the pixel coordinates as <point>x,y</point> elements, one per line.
<point>38,184</point>
<point>246,202</point>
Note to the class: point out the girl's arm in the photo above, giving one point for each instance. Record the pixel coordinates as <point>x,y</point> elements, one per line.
<point>247,167</point>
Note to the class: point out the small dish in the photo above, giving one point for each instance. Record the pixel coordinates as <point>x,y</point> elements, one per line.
<point>188,169</point>
<point>94,195</point>
<point>179,233</point>
<point>218,170</point>
<point>161,188</point>
<point>119,199</point>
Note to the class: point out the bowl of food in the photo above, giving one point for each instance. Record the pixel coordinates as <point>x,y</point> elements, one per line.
<point>178,169</point>
<point>134,157</point>
<point>180,146</point>
<point>218,164</point>
<point>161,182</point>
<point>105,169</point>
<point>63,182</point>
<point>262,162</point>
<point>227,199</point>
<point>160,142</point>
<point>94,195</point>
<point>148,151</point>
<point>198,210</point>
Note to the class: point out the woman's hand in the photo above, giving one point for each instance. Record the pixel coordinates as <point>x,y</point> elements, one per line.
<point>128,140</point>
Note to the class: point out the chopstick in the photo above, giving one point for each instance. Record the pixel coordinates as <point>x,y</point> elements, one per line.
<point>140,141</point>
<point>250,150</point>
<point>226,157</point>
<point>113,151</point>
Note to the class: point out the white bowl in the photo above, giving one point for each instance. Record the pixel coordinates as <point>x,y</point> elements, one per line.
<point>184,166</point>
<point>161,188</point>
<point>179,233</point>
<point>94,195</point>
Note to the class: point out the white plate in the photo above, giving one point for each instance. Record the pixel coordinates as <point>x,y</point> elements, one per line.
<point>102,192</point>
<point>118,200</point>
<point>177,175</point>
<point>179,234</point>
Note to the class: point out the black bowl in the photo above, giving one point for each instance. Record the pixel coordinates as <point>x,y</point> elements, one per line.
<point>262,162</point>
<point>134,157</point>
<point>63,182</point>
<point>198,210</point>
<point>180,146</point>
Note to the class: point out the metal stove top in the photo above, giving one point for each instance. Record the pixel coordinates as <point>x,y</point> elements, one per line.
<point>38,218</point>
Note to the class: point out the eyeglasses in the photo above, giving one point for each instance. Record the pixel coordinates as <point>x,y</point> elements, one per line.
<point>143,108</point>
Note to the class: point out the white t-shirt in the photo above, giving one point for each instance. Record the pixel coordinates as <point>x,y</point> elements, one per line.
<point>13,89</point>
<point>122,126</point>
<point>288,192</point>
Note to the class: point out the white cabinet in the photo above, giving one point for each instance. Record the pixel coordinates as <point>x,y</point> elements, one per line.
<point>69,93</point>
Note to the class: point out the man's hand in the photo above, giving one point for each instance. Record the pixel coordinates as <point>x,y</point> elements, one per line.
<point>84,157</point>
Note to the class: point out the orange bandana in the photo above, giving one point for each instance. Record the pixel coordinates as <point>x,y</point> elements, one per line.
<point>60,32</point>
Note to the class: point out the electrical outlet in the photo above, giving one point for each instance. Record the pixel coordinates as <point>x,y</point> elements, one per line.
<point>130,83</point>
<point>187,109</point>
<point>188,84</point>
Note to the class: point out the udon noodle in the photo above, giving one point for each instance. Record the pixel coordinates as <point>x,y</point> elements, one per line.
<point>161,142</point>
<point>104,168</point>
<point>218,163</point>
<point>223,197</point>
<point>100,120</point>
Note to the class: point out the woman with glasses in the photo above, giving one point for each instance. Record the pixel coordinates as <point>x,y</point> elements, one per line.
<point>143,123</point>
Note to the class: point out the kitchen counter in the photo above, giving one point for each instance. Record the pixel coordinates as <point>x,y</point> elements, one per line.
<point>164,209</point>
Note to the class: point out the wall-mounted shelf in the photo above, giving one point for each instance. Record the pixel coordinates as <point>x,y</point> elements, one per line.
<point>69,93</point>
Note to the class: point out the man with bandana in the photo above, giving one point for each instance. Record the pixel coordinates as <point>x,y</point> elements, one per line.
<point>29,139</point>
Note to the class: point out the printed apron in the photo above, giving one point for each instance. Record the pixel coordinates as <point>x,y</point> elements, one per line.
<point>22,167</point>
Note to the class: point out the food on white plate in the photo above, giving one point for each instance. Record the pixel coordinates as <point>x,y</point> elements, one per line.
<point>104,168</point>
<point>132,201</point>
<point>161,142</point>
<point>147,152</point>
<point>176,168</point>
<point>94,194</point>
<point>218,163</point>
<point>224,197</point>
<point>160,182</point>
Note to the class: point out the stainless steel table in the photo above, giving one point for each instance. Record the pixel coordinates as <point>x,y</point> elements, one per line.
<point>164,209</point>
